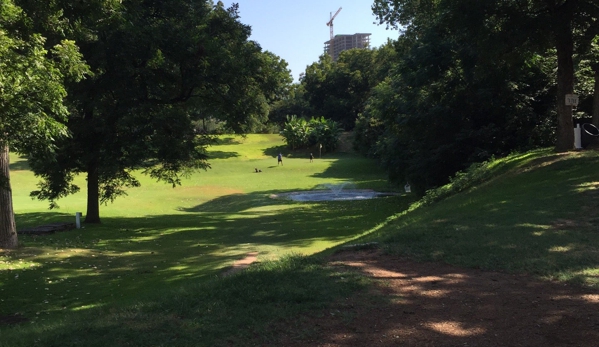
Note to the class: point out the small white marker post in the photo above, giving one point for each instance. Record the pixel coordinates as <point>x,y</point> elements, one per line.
<point>78,220</point>
<point>572,100</point>
<point>578,137</point>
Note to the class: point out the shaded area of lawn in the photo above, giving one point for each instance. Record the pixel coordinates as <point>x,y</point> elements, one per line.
<point>219,312</point>
<point>228,140</point>
<point>19,164</point>
<point>222,155</point>
<point>360,171</point>
<point>126,259</point>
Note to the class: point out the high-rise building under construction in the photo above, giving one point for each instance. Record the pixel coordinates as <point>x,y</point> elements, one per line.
<point>340,43</point>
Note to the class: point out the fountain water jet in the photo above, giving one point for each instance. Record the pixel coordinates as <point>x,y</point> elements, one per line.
<point>337,188</point>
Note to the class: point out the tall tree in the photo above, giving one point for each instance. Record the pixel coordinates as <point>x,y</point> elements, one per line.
<point>593,59</point>
<point>595,67</point>
<point>31,99</point>
<point>294,103</point>
<point>339,90</point>
<point>572,24</point>
<point>155,63</point>
<point>462,91</point>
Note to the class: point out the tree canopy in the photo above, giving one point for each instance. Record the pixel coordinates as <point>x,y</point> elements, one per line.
<point>474,79</point>
<point>31,99</point>
<point>567,26</point>
<point>157,66</point>
<point>339,90</point>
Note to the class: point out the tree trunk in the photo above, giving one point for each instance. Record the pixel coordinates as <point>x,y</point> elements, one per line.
<point>564,44</point>
<point>565,85</point>
<point>93,196</point>
<point>8,229</point>
<point>596,96</point>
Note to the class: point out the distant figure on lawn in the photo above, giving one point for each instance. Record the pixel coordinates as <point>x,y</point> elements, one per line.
<point>311,157</point>
<point>280,159</point>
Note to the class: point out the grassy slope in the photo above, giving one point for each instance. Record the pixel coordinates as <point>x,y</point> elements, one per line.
<point>536,215</point>
<point>540,216</point>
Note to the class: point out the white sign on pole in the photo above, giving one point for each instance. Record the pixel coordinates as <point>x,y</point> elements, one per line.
<point>571,100</point>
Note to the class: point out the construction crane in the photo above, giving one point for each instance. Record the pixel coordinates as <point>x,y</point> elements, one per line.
<point>330,23</point>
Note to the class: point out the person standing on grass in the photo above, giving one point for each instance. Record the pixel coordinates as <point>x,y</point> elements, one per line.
<point>311,157</point>
<point>280,159</point>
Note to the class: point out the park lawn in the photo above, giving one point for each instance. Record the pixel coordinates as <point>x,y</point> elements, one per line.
<point>532,213</point>
<point>158,237</point>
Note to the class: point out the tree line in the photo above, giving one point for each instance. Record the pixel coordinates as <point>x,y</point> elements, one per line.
<point>106,87</point>
<point>465,81</point>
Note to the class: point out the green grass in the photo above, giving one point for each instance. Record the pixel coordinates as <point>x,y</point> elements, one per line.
<point>247,309</point>
<point>538,215</point>
<point>148,275</point>
<point>159,238</point>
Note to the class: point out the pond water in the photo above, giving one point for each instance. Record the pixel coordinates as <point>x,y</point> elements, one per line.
<point>329,195</point>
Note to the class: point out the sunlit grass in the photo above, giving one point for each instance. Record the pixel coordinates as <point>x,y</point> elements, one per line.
<point>159,237</point>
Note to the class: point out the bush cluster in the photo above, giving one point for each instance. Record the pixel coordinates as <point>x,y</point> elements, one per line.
<point>299,133</point>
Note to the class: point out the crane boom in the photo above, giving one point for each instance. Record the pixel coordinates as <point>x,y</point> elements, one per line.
<point>330,22</point>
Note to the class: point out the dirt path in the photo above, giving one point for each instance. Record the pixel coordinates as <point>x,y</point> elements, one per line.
<point>241,264</point>
<point>429,304</point>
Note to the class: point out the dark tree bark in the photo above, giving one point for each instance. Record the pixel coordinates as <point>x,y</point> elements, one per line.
<point>8,229</point>
<point>93,196</point>
<point>596,96</point>
<point>564,44</point>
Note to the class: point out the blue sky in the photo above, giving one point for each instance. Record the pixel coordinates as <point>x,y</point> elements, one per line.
<point>296,30</point>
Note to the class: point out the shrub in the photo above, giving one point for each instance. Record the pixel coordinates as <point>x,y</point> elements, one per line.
<point>299,133</point>
<point>296,132</point>
<point>325,132</point>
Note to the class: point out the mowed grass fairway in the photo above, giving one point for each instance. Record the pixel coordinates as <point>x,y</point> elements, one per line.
<point>159,237</point>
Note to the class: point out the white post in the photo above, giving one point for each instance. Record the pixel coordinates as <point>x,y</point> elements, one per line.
<point>78,220</point>
<point>577,137</point>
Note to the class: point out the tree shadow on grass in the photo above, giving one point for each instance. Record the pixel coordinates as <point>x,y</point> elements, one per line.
<point>274,151</point>
<point>233,203</point>
<point>432,304</point>
<point>227,141</point>
<point>350,167</point>
<point>222,155</point>
<point>204,314</point>
<point>28,220</point>
<point>134,257</point>
<point>19,165</point>
<point>363,172</point>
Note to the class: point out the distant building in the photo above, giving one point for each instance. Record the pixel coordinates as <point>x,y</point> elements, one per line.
<point>341,43</point>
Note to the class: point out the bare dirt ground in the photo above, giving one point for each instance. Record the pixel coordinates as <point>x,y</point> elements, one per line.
<point>430,304</point>
<point>241,264</point>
